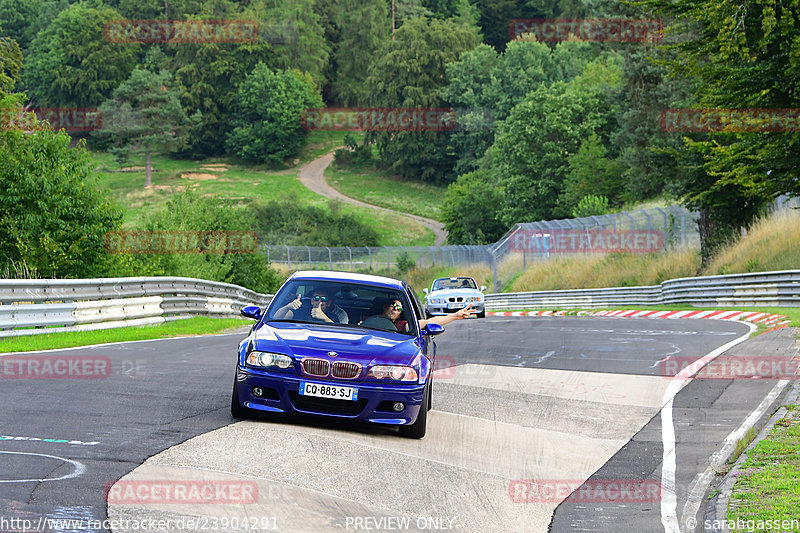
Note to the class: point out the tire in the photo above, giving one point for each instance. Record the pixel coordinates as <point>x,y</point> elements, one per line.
<point>428,315</point>
<point>417,429</point>
<point>237,411</point>
<point>482,314</point>
<point>430,396</point>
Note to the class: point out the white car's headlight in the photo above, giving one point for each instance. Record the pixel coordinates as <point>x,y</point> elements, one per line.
<point>267,359</point>
<point>474,299</point>
<point>436,300</point>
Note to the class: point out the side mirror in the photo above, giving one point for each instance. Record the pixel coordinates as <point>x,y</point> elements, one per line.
<point>433,329</point>
<point>252,311</point>
<point>483,288</point>
<point>425,290</point>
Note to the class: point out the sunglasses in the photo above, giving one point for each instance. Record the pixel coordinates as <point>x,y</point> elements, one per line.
<point>397,307</point>
<point>320,298</point>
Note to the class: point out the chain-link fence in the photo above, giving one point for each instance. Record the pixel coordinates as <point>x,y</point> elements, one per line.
<point>643,231</point>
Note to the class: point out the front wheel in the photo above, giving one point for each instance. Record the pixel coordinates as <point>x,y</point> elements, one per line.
<point>417,429</point>
<point>237,411</point>
<point>482,314</point>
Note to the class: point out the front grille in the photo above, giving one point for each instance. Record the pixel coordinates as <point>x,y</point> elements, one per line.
<point>327,405</point>
<point>456,299</point>
<point>316,367</point>
<point>345,370</point>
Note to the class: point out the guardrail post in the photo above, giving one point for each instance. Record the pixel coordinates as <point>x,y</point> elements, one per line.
<point>288,257</point>
<point>330,258</point>
<point>351,256</point>
<point>310,264</point>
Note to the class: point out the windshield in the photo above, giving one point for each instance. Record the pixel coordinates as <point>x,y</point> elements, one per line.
<point>345,304</point>
<point>454,283</point>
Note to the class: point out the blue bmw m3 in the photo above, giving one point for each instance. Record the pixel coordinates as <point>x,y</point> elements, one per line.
<point>339,344</point>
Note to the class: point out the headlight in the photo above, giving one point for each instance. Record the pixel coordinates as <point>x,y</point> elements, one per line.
<point>396,373</point>
<point>437,300</point>
<point>267,359</point>
<point>473,299</point>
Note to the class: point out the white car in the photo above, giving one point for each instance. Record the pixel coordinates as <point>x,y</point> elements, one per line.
<point>448,295</point>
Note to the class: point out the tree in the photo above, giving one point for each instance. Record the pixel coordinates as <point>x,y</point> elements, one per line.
<point>363,32</point>
<point>470,209</point>
<point>591,173</point>
<point>17,18</point>
<point>744,55</point>
<point>533,146</point>
<point>591,205</point>
<point>268,128</point>
<point>71,64</point>
<point>145,115</point>
<point>409,74</point>
<point>53,217</point>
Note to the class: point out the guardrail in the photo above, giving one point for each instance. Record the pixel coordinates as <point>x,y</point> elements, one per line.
<point>36,306</point>
<point>766,289</point>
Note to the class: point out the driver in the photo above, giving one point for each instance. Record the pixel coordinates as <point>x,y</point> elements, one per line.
<point>322,309</point>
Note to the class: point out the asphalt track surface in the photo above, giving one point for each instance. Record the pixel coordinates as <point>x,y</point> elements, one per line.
<point>518,404</point>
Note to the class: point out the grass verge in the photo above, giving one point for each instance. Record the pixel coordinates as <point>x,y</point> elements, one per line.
<point>767,488</point>
<point>374,187</point>
<point>178,328</point>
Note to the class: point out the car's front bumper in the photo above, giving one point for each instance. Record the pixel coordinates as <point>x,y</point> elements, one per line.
<point>281,395</point>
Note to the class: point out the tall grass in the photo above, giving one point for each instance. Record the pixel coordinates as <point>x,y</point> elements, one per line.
<point>772,243</point>
<point>612,270</point>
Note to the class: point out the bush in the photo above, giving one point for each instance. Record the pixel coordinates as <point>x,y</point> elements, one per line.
<point>53,217</point>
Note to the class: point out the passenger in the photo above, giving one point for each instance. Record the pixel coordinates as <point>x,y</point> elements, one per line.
<point>322,309</point>
<point>392,317</point>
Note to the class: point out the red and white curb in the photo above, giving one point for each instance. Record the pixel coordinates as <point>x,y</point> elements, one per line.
<point>755,317</point>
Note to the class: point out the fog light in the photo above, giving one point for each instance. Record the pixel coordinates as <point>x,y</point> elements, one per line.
<point>258,392</point>
<point>398,406</point>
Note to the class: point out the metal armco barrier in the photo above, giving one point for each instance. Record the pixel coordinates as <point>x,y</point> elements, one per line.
<point>57,305</point>
<point>765,289</point>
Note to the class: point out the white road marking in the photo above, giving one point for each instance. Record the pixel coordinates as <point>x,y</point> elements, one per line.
<point>669,501</point>
<point>80,468</point>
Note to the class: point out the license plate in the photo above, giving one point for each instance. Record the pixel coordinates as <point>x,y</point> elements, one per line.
<point>455,306</point>
<point>328,391</point>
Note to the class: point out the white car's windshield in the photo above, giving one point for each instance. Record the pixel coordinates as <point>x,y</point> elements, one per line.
<point>454,283</point>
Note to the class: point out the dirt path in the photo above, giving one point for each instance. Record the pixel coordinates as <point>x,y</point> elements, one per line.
<point>312,175</point>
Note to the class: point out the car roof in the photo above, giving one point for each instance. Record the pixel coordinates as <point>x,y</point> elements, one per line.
<point>454,277</point>
<point>351,277</point>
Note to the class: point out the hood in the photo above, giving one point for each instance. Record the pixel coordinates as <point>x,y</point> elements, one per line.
<point>359,345</point>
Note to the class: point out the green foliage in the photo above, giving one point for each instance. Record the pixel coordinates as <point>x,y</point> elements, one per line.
<point>483,86</point>
<point>470,209</point>
<point>17,18</point>
<point>145,115</point>
<point>591,172</point>
<point>194,213</point>
<point>409,73</point>
<point>268,127</point>
<point>52,216</point>
<point>405,263</point>
<point>534,144</point>
<point>10,65</point>
<point>363,32</point>
<point>291,223</point>
<point>744,55</point>
<point>591,205</point>
<point>71,64</point>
